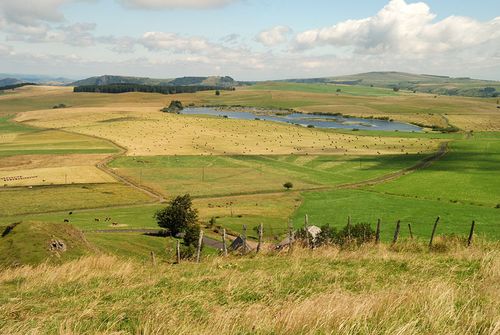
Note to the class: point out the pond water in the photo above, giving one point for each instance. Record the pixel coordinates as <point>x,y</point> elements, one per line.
<point>316,120</point>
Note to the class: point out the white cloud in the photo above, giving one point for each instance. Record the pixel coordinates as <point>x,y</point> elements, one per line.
<point>404,29</point>
<point>172,42</point>
<point>174,4</point>
<point>274,36</point>
<point>77,34</point>
<point>22,13</point>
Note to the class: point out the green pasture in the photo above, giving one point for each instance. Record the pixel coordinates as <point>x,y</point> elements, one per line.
<point>23,201</point>
<point>203,176</point>
<point>467,174</point>
<point>325,89</point>
<point>333,207</point>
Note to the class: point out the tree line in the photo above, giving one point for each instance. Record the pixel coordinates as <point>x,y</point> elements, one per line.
<point>11,87</point>
<point>123,88</point>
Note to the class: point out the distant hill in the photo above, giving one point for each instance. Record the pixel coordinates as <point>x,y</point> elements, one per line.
<point>424,83</point>
<point>8,79</point>
<point>10,82</point>
<point>183,81</point>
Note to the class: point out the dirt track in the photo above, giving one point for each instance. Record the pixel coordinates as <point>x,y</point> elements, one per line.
<point>443,149</point>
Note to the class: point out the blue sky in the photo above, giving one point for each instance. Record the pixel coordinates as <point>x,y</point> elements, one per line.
<point>249,39</point>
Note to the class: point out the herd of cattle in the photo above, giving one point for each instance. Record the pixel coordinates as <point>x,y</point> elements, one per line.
<point>106,219</point>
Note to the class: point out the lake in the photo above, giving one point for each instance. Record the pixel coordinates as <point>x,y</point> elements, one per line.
<point>305,120</point>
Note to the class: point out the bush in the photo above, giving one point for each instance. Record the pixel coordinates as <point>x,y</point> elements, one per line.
<point>192,235</point>
<point>174,107</point>
<point>178,215</point>
<point>212,222</point>
<point>328,235</point>
<point>350,234</point>
<point>188,251</point>
<point>288,185</point>
<point>358,234</point>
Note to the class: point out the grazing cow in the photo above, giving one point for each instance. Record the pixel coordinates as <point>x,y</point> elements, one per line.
<point>96,220</point>
<point>66,220</point>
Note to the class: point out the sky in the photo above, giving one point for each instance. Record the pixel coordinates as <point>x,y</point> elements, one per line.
<point>249,39</point>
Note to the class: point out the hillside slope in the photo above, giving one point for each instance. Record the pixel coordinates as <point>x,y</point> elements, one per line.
<point>372,290</point>
<point>424,83</point>
<point>183,81</point>
<point>29,243</point>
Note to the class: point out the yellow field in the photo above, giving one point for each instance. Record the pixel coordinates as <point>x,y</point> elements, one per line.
<point>147,131</point>
<point>35,91</point>
<point>53,176</point>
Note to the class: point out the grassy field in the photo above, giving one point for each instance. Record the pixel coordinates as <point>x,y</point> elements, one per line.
<point>325,89</point>
<point>333,208</point>
<point>67,197</point>
<point>145,131</point>
<point>370,290</point>
<point>468,174</point>
<point>225,175</point>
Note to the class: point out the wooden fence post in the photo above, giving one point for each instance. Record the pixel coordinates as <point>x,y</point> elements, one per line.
<point>306,228</point>
<point>178,252</point>
<point>396,233</point>
<point>377,233</point>
<point>471,234</point>
<point>290,236</point>
<point>261,231</point>
<point>153,258</point>
<point>224,245</point>
<point>411,233</point>
<point>198,251</point>
<point>433,232</point>
<point>244,238</point>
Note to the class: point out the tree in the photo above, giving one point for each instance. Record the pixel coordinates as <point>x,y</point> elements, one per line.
<point>395,89</point>
<point>178,215</point>
<point>192,235</point>
<point>217,93</point>
<point>288,185</point>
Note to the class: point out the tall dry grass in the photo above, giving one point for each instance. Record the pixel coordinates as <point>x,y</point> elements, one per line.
<point>369,290</point>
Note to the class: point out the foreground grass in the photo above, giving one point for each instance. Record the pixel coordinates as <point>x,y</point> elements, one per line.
<point>368,291</point>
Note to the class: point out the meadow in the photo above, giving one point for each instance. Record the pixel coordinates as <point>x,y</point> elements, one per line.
<point>372,290</point>
<point>467,174</point>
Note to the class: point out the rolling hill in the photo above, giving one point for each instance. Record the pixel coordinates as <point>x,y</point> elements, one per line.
<point>183,81</point>
<point>424,83</point>
<point>31,243</point>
